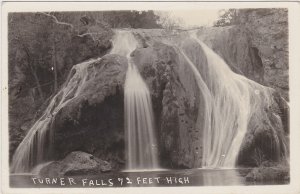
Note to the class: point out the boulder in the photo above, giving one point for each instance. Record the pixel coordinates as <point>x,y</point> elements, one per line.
<point>76,163</point>
<point>269,171</point>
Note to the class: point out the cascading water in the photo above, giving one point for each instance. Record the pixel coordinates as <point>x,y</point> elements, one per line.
<point>230,102</point>
<point>36,146</point>
<point>141,149</point>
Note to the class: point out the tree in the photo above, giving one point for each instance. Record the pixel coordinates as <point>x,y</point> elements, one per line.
<point>23,43</point>
<point>168,22</point>
<point>131,19</point>
<point>227,17</point>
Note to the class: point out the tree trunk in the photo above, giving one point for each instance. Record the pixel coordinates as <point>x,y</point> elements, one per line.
<point>37,81</point>
<point>39,87</point>
<point>54,67</point>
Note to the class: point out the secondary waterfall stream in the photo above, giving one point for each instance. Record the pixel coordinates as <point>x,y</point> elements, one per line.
<point>36,146</point>
<point>230,101</point>
<point>141,148</point>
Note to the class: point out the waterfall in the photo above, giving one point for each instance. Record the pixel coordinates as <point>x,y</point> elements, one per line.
<point>37,145</point>
<point>141,148</point>
<point>231,100</point>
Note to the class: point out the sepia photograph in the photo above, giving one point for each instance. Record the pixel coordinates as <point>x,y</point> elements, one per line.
<point>131,97</point>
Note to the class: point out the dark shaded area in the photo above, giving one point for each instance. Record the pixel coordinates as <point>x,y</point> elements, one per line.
<point>99,131</point>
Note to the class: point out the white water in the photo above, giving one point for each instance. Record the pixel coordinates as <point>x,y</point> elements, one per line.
<point>141,148</point>
<point>37,169</point>
<point>37,145</point>
<point>230,102</point>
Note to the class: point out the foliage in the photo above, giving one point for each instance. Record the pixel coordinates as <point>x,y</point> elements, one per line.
<point>227,17</point>
<point>168,22</point>
<point>258,157</point>
<point>131,19</point>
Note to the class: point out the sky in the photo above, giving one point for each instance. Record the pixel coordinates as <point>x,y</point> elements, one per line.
<point>196,17</point>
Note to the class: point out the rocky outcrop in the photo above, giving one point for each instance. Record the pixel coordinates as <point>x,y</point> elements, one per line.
<point>76,163</point>
<point>267,30</point>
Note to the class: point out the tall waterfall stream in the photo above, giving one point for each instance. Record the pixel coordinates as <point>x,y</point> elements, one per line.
<point>141,148</point>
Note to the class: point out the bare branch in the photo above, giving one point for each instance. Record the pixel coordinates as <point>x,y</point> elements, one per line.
<point>56,20</point>
<point>88,33</point>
